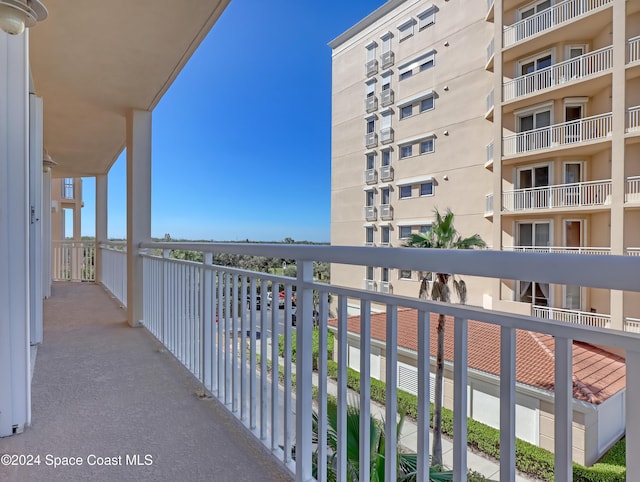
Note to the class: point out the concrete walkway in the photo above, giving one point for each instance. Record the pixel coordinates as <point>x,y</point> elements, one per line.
<point>109,397</point>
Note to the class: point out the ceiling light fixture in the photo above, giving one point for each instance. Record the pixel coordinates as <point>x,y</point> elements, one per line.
<point>15,15</point>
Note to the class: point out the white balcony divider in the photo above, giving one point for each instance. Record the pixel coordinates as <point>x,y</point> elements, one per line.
<point>572,316</point>
<point>577,68</point>
<point>633,118</point>
<point>632,193</point>
<point>575,132</point>
<point>208,317</point>
<point>579,194</point>
<point>560,249</point>
<point>73,260</point>
<point>488,204</point>
<point>632,325</point>
<point>633,49</point>
<point>557,14</point>
<point>113,256</point>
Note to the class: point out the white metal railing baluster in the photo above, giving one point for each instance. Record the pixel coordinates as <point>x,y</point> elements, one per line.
<point>424,406</point>
<point>322,388</point>
<point>244,327</point>
<point>275,364</point>
<point>341,467</point>
<point>304,408</point>
<point>391,403</point>
<point>563,410</point>
<point>222,388</point>
<point>227,326</point>
<point>207,322</point>
<point>288,405</point>
<point>507,403</point>
<point>460,376</point>
<point>633,50</point>
<point>253,386</point>
<point>365,387</point>
<point>264,387</point>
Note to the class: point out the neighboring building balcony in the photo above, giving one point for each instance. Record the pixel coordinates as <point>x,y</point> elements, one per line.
<point>386,212</point>
<point>386,173</point>
<point>575,195</point>
<point>387,59</point>
<point>370,213</point>
<point>370,139</point>
<point>490,56</point>
<point>386,135</point>
<point>633,251</point>
<point>371,103</point>
<point>386,97</point>
<point>490,11</point>
<point>572,316</point>
<point>567,134</point>
<point>633,119</point>
<point>384,287</point>
<point>369,285</point>
<point>633,50</point>
<point>371,67</point>
<point>370,176</point>
<point>558,14</point>
<point>488,205</point>
<point>632,325</point>
<point>632,194</point>
<point>489,162</point>
<point>560,249</point>
<point>490,106</point>
<point>579,68</point>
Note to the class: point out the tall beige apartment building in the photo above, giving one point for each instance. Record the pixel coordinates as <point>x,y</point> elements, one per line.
<point>522,117</point>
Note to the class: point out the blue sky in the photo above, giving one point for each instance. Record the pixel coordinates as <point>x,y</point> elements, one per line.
<point>242,139</point>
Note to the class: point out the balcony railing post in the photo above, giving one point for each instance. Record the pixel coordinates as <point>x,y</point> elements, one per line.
<point>304,402</point>
<point>563,409</point>
<point>391,431</point>
<point>207,310</point>
<point>507,403</point>
<point>460,376</point>
<point>632,409</point>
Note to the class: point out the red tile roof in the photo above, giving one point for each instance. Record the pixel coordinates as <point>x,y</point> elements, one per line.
<point>597,374</point>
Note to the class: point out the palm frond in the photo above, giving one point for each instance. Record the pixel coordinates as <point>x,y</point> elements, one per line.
<point>461,290</point>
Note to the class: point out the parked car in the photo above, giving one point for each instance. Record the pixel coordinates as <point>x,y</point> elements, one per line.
<point>316,317</point>
<point>249,302</point>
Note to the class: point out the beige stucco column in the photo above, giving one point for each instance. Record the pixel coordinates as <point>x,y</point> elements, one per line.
<point>618,109</point>
<point>138,206</point>
<point>102,199</point>
<point>15,388</point>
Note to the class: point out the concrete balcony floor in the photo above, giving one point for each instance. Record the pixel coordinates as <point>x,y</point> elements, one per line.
<point>102,388</point>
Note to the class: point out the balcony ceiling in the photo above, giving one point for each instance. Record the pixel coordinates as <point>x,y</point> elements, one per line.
<point>93,61</point>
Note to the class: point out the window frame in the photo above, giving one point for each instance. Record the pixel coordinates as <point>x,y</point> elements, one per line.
<point>406,151</point>
<point>402,191</point>
<point>426,183</point>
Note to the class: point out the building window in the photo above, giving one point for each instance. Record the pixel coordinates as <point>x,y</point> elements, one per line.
<point>427,17</point>
<point>426,146</point>
<point>371,161</point>
<point>405,274</point>
<point>405,192</point>
<point>369,235</point>
<point>385,275</point>
<point>426,104</point>
<point>405,29</point>
<point>384,236</point>
<point>369,273</point>
<point>406,74</point>
<point>531,10</point>
<point>406,151</point>
<point>405,232</point>
<point>386,157</point>
<point>425,228</point>
<point>371,126</point>
<point>406,111</point>
<point>426,189</point>
<point>385,195</point>
<point>370,197</point>
<point>426,65</point>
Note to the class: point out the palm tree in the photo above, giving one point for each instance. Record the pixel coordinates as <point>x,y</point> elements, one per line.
<point>407,463</point>
<point>443,235</point>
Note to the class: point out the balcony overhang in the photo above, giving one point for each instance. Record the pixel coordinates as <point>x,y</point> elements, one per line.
<point>94,61</point>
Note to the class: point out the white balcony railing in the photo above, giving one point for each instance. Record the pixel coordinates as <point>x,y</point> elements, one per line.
<point>557,14</point>
<point>370,213</point>
<point>633,118</point>
<point>369,285</point>
<point>581,67</point>
<point>571,133</point>
<point>632,325</point>
<point>370,176</point>
<point>579,194</point>
<point>371,67</point>
<point>632,192</point>
<point>490,50</point>
<point>633,50</point>
<point>114,269</point>
<point>387,59</point>
<point>488,204</point>
<point>370,139</point>
<point>371,103</point>
<point>386,212</point>
<point>572,316</point>
<point>490,152</point>
<point>386,173</point>
<point>73,260</point>
<point>633,251</point>
<point>386,135</point>
<point>191,309</point>
<point>490,101</point>
<point>386,97</point>
<point>384,287</point>
<point>560,249</point>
